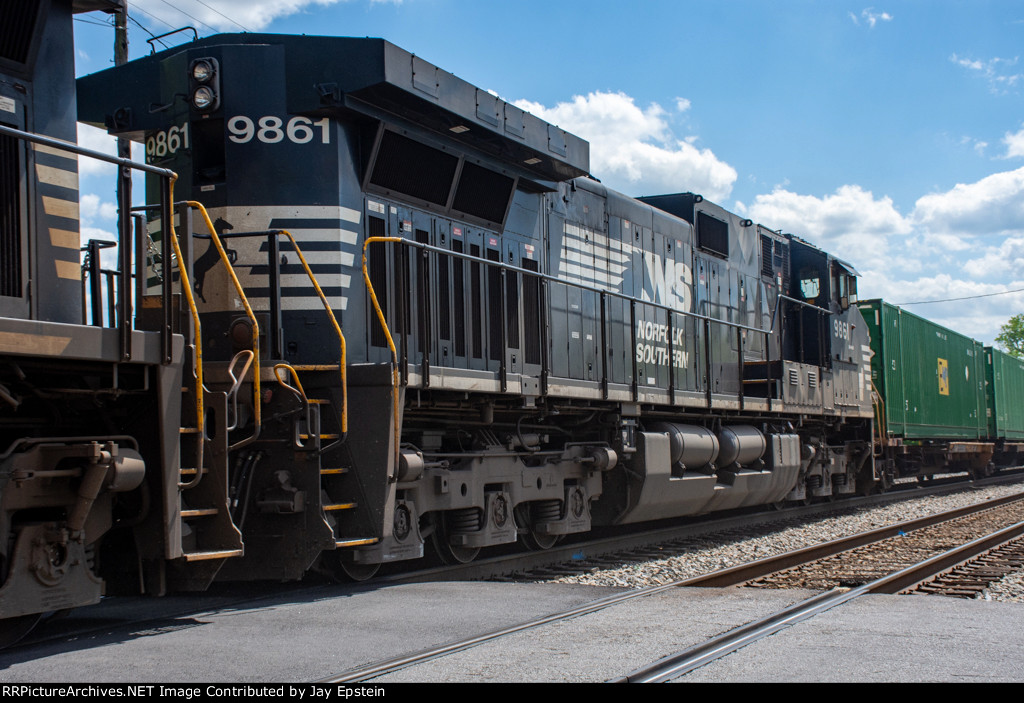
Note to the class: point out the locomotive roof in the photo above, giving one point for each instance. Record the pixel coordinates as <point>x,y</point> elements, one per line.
<point>367,75</point>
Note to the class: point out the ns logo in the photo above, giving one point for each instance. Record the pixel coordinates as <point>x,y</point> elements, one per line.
<point>668,283</point>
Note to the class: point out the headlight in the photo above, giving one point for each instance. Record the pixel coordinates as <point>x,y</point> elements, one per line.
<point>202,71</point>
<point>203,98</point>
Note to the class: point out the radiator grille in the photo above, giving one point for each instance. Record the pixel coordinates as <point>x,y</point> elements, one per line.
<point>766,256</point>
<point>378,269</point>
<point>17,26</point>
<point>10,217</point>
<point>531,314</point>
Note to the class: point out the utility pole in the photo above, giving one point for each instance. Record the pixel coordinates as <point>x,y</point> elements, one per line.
<point>124,199</point>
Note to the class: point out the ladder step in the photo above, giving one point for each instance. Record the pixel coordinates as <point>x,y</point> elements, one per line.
<point>323,436</point>
<point>340,506</point>
<point>315,367</point>
<point>319,401</point>
<point>333,472</point>
<point>192,472</point>
<point>355,542</point>
<point>188,430</point>
<point>203,556</point>
<point>199,512</point>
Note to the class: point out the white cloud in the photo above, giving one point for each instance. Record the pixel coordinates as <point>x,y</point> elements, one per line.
<point>1014,142</point>
<point>992,205</point>
<point>976,317</point>
<point>1000,80</point>
<point>871,17</point>
<point>977,145</point>
<point>634,149</point>
<point>221,15</point>
<point>97,140</point>
<point>850,223</point>
<point>92,207</point>
<point>965,242</point>
<point>1004,260</point>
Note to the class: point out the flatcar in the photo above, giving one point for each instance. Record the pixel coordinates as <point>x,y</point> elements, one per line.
<point>946,403</point>
<point>374,309</point>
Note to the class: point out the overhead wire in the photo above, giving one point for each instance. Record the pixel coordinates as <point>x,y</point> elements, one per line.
<point>191,17</point>
<point>229,19</point>
<point>146,30</point>
<point>150,14</point>
<point>966,297</point>
<point>92,22</point>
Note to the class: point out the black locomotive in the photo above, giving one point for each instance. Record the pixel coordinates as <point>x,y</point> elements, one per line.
<point>393,309</point>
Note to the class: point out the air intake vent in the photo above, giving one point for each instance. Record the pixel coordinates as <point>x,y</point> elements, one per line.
<point>414,169</point>
<point>404,166</point>
<point>10,217</point>
<point>782,251</point>
<point>712,235</point>
<point>483,193</point>
<point>766,256</point>
<point>17,27</point>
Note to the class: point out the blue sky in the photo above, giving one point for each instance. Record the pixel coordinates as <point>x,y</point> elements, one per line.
<point>892,134</point>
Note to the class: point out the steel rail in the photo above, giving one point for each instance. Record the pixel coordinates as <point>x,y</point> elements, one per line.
<point>683,662</point>
<point>609,546</point>
<point>726,577</point>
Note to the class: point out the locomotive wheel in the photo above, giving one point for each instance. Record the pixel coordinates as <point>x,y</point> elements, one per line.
<point>347,571</point>
<point>13,629</point>
<point>528,537</point>
<point>445,550</point>
<point>356,572</point>
<point>538,543</point>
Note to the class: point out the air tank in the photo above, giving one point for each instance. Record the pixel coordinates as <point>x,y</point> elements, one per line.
<point>740,445</point>
<point>690,446</point>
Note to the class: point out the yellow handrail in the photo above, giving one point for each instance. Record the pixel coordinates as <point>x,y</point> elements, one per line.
<point>337,330</point>
<point>257,410</point>
<point>257,405</point>
<point>186,286</point>
<point>879,407</point>
<point>387,333</point>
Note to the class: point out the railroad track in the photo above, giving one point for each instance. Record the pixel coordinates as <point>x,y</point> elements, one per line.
<point>912,544</point>
<point>120,613</point>
<point>899,575</point>
<point>920,551</point>
<point>680,538</point>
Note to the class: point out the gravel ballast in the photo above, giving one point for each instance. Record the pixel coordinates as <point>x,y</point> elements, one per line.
<point>711,552</point>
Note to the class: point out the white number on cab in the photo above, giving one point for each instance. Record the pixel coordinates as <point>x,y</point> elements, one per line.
<point>271,130</point>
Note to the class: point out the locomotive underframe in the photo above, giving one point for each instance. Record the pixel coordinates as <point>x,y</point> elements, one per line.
<point>82,444</point>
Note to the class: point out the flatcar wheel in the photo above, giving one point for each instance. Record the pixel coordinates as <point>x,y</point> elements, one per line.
<point>445,550</point>
<point>13,629</point>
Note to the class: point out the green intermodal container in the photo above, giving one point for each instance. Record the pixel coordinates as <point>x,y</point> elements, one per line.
<point>1005,377</point>
<point>931,379</point>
